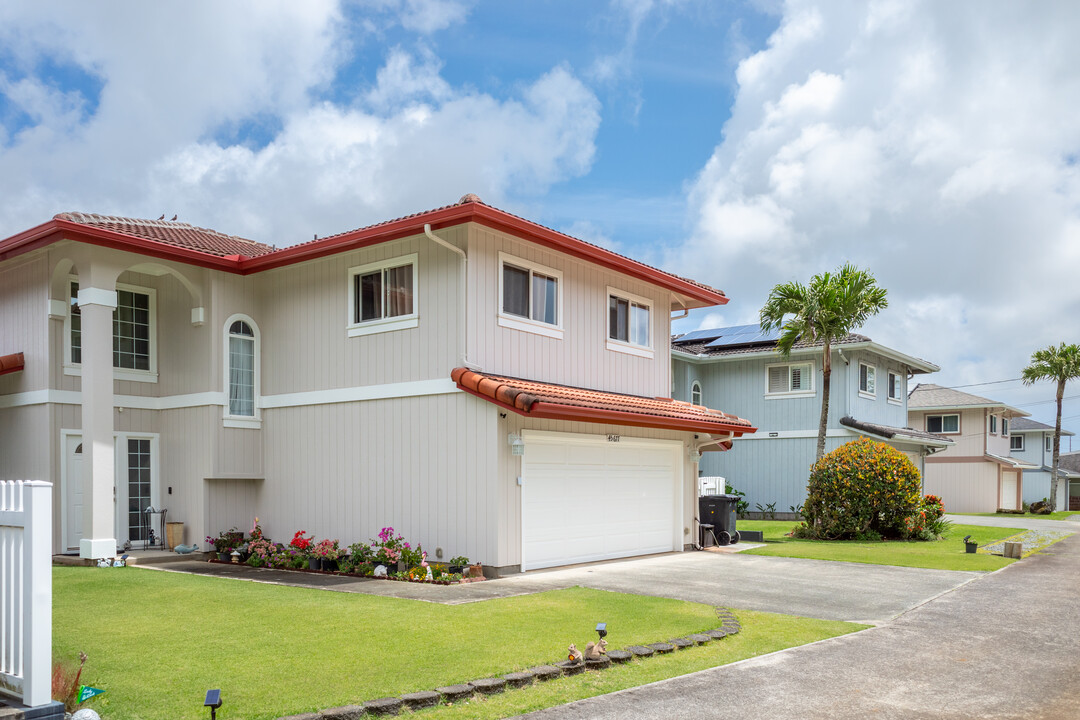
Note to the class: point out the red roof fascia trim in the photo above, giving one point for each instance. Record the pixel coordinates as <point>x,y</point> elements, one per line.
<point>555,411</point>
<point>11,363</point>
<point>54,230</point>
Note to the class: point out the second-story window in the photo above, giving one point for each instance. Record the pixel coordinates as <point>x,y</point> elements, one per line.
<point>1016,442</point>
<point>1049,443</point>
<point>793,379</point>
<point>133,330</point>
<point>530,296</point>
<point>867,379</point>
<point>943,424</point>
<point>896,387</point>
<point>241,369</point>
<point>993,424</point>
<point>629,322</point>
<point>1005,427</point>
<point>695,393</point>
<point>382,296</point>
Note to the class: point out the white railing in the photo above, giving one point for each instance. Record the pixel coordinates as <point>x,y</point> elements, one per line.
<point>26,590</point>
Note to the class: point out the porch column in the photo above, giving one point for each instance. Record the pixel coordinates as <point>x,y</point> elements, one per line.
<point>99,527</point>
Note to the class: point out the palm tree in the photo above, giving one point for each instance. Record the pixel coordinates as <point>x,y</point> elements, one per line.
<point>1059,364</point>
<point>826,310</point>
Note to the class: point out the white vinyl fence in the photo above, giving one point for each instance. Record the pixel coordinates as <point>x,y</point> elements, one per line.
<point>26,590</point>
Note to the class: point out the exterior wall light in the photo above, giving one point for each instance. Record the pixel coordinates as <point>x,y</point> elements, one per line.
<point>517,445</point>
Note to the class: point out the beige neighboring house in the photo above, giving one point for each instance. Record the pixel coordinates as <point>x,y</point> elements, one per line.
<point>977,473</point>
<point>483,384</point>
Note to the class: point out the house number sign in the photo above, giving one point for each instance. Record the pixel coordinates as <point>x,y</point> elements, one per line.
<point>613,438</point>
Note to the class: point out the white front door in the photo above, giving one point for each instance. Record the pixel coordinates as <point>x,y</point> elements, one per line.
<point>134,489</point>
<point>73,492</point>
<point>1008,490</point>
<point>588,497</point>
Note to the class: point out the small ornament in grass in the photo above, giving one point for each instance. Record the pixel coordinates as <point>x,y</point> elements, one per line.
<point>594,650</point>
<point>574,655</point>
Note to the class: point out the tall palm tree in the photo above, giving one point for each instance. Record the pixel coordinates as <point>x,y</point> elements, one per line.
<point>1059,364</point>
<point>826,310</point>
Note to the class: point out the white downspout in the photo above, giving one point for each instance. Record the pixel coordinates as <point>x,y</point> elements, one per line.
<point>464,292</point>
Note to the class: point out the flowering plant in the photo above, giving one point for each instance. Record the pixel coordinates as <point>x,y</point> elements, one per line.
<point>327,550</point>
<point>388,548</point>
<point>256,530</point>
<point>301,542</point>
<point>262,553</point>
<point>226,541</point>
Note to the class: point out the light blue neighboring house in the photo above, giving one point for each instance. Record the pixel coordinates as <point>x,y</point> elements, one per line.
<point>1033,442</point>
<point>739,369</point>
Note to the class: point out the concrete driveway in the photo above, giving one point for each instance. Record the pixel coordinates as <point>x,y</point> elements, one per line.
<point>1003,646</point>
<point>1029,522</point>
<point>811,588</point>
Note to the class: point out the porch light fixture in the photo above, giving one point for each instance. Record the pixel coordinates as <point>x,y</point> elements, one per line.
<point>213,701</point>
<point>695,455</point>
<point>517,445</point>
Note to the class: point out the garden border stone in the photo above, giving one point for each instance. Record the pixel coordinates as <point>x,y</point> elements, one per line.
<point>699,638</point>
<point>641,650</point>
<point>383,706</point>
<point>346,712</point>
<point>543,673</point>
<point>599,663</point>
<point>453,693</point>
<point>518,679</point>
<point>302,716</point>
<point>662,647</point>
<point>489,686</point>
<point>681,643</point>
<point>571,667</point>
<point>619,656</point>
<point>422,699</point>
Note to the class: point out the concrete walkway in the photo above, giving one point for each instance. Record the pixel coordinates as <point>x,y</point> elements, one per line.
<point>1030,522</point>
<point>811,588</point>
<point>1002,647</point>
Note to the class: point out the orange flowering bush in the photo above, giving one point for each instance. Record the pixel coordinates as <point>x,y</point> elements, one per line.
<point>863,489</point>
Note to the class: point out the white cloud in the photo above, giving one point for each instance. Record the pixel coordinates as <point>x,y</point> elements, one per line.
<point>927,142</point>
<point>429,16</point>
<point>161,135</point>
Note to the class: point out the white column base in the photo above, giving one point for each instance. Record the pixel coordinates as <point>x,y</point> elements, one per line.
<point>95,549</point>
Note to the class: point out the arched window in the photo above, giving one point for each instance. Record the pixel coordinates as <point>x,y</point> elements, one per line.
<point>695,393</point>
<point>242,368</point>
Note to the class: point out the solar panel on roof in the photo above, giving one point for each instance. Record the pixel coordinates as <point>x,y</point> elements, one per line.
<point>749,338</point>
<point>700,335</point>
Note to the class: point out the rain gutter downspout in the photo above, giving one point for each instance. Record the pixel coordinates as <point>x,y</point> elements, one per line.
<point>464,293</point>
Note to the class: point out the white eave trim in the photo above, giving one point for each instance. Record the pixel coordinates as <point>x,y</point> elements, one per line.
<point>913,363</point>
<point>957,408</point>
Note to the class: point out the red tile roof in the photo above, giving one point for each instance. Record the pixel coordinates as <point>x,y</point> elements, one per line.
<point>11,363</point>
<point>179,234</point>
<point>562,402</point>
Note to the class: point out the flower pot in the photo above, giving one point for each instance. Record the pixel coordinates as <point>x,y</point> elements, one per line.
<point>327,564</point>
<point>313,563</point>
<point>223,557</point>
<point>458,569</point>
<point>971,547</point>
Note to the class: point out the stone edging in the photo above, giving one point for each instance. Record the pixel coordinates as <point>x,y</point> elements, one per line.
<point>729,625</point>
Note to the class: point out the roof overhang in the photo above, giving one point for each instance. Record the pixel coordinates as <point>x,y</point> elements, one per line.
<point>896,435</point>
<point>686,294</point>
<point>1011,463</point>
<point>913,363</point>
<point>11,363</point>
<point>549,401</point>
<point>1050,431</point>
<point>1010,410</point>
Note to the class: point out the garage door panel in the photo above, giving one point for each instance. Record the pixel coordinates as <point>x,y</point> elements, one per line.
<point>594,500</point>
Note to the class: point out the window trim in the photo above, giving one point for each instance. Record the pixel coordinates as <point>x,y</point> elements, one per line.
<point>871,369</point>
<point>630,348</point>
<point>1019,437</point>
<point>695,389</point>
<point>926,423</point>
<point>386,324</point>
<point>241,421</point>
<point>1004,426</point>
<point>790,394</point>
<point>74,369</point>
<point>1049,444</point>
<point>992,424</point>
<point>899,398</point>
<point>527,324</point>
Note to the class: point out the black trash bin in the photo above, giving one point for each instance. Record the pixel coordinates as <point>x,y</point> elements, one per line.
<point>719,511</point>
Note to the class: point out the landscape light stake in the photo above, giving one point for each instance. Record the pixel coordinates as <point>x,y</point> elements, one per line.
<point>213,701</point>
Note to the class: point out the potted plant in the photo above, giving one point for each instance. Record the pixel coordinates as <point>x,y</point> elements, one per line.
<point>302,546</point>
<point>226,542</point>
<point>388,549</point>
<point>457,564</point>
<point>476,570</point>
<point>327,552</point>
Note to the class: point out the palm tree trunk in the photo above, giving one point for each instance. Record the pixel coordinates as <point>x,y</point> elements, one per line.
<point>826,374</point>
<point>1057,447</point>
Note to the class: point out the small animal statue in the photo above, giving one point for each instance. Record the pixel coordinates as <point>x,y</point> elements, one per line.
<point>574,653</point>
<point>380,571</point>
<point>594,650</point>
<point>186,549</point>
<point>104,562</point>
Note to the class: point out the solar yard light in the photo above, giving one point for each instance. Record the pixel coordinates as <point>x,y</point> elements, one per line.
<point>601,630</point>
<point>213,701</point>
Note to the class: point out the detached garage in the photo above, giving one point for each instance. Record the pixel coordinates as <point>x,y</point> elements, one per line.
<point>587,475</point>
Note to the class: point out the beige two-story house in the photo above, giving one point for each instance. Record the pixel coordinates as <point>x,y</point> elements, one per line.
<point>977,473</point>
<point>485,385</point>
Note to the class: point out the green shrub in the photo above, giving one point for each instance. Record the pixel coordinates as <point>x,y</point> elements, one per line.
<point>864,489</point>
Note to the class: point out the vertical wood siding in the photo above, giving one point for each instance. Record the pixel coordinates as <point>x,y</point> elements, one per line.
<point>581,357</point>
<point>24,323</point>
<point>964,487</point>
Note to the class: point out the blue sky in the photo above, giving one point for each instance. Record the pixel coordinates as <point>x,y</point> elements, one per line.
<point>741,143</point>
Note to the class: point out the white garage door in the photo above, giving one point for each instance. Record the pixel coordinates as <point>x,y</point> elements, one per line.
<point>586,498</point>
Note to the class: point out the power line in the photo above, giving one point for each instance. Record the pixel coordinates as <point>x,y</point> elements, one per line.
<point>992,382</point>
<point>1044,402</point>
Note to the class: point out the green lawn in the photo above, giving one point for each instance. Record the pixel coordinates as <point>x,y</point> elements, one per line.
<point>157,641</point>
<point>1059,515</point>
<point>945,554</point>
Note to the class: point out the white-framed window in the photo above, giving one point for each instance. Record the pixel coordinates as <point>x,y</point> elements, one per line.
<point>1016,442</point>
<point>867,380</point>
<point>530,296</point>
<point>242,360</point>
<point>896,388</point>
<point>695,393</point>
<point>789,380</point>
<point>382,296</point>
<point>134,333</point>
<point>629,323</point>
<point>1049,443</point>
<point>993,424</point>
<point>943,424</point>
<point>1005,427</point>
